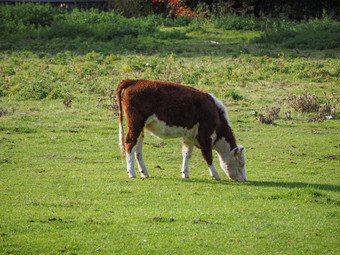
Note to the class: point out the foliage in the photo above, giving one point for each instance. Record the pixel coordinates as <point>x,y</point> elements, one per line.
<point>132,8</point>
<point>179,8</point>
<point>59,24</point>
<point>28,14</point>
<point>237,22</point>
<point>297,10</point>
<point>42,22</point>
<point>312,34</point>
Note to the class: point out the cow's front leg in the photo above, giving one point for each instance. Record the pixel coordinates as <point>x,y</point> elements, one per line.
<point>186,153</point>
<point>213,172</point>
<point>206,148</point>
<point>139,157</point>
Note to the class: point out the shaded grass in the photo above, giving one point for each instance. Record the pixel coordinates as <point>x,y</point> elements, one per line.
<point>39,28</point>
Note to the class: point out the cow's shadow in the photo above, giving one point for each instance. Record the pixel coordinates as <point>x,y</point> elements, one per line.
<point>329,187</point>
<point>291,185</point>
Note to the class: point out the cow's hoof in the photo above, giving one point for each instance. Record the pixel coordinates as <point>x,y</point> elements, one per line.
<point>145,175</point>
<point>184,176</point>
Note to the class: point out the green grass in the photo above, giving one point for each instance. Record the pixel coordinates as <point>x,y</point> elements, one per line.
<point>64,189</point>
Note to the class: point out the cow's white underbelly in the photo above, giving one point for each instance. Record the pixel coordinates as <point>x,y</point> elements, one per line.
<point>161,129</point>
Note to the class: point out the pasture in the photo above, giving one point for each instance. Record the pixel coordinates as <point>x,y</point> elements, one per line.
<point>64,189</point>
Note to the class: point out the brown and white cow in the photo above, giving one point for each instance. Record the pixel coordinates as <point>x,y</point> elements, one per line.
<point>171,110</point>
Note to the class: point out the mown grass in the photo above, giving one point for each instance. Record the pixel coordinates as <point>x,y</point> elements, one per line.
<point>64,188</point>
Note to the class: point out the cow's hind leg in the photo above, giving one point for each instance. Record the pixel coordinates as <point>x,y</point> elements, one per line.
<point>186,153</point>
<point>139,156</point>
<point>130,164</point>
<point>131,141</point>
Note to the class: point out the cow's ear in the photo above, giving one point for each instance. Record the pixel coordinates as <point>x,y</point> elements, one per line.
<point>242,149</point>
<point>237,151</point>
<point>234,152</point>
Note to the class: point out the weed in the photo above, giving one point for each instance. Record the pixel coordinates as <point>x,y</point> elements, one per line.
<point>304,103</point>
<point>270,115</point>
<point>234,95</point>
<point>8,111</point>
<point>326,111</point>
<point>329,108</point>
<point>307,103</point>
<point>108,101</point>
<point>288,115</point>
<point>68,100</point>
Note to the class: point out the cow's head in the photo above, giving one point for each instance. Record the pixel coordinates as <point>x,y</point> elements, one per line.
<point>232,161</point>
<point>236,164</point>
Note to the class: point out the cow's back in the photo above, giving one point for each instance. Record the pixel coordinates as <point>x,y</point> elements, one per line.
<point>175,104</point>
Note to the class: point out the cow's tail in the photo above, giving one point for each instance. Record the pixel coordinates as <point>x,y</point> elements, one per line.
<point>119,94</point>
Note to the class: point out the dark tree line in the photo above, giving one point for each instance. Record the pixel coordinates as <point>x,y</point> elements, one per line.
<point>294,9</point>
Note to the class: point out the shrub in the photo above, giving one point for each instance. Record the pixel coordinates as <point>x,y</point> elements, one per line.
<point>237,22</point>
<point>43,21</point>
<point>177,22</point>
<point>196,25</point>
<point>29,14</point>
<point>312,34</point>
<point>23,19</point>
<point>132,8</point>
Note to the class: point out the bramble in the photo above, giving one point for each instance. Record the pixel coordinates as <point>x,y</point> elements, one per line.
<point>179,8</point>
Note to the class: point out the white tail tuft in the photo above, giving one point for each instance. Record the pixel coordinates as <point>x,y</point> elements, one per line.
<point>121,139</point>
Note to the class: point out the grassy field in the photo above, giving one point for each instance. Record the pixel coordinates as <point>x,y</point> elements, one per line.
<point>64,189</point>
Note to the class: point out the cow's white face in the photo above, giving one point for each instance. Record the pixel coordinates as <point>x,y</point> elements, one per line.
<point>232,162</point>
<point>236,164</point>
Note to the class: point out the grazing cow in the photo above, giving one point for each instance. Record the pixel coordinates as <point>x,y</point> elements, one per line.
<point>171,110</point>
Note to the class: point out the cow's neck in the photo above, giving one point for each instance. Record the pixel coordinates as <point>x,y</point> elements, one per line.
<point>230,138</point>
<point>226,132</point>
